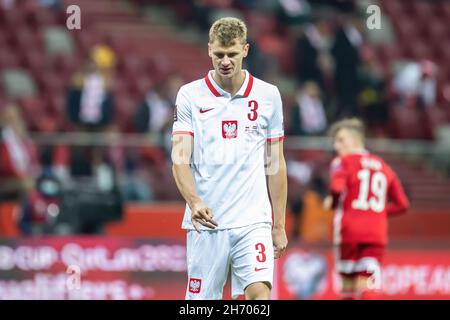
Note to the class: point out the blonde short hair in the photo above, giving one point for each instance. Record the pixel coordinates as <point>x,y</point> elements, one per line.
<point>226,30</point>
<point>353,124</point>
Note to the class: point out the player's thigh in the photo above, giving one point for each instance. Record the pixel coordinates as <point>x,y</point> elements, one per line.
<point>346,255</point>
<point>368,266</point>
<point>208,256</point>
<point>257,291</point>
<point>252,258</point>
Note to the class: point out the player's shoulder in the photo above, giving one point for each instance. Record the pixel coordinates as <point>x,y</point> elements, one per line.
<point>336,163</point>
<point>191,88</point>
<point>378,163</point>
<point>265,87</point>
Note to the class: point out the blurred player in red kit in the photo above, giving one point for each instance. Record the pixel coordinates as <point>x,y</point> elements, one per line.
<point>364,191</point>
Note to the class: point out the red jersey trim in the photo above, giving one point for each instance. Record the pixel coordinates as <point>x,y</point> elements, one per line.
<point>275,139</point>
<point>183,132</point>
<point>249,86</point>
<point>211,87</point>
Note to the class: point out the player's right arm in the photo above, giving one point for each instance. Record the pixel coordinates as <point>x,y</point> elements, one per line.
<point>338,180</point>
<point>398,202</point>
<point>182,147</point>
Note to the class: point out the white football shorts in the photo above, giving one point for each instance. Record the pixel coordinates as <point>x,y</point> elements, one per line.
<point>246,251</point>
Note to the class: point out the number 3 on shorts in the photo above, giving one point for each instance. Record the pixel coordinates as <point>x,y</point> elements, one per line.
<point>261,257</point>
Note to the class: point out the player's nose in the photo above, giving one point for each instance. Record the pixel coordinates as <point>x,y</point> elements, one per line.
<point>225,61</point>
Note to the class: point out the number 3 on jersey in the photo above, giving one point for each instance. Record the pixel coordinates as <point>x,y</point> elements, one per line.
<point>377,184</point>
<point>253,106</point>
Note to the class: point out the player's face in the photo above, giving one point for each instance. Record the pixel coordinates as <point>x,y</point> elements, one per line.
<point>346,141</point>
<point>227,61</point>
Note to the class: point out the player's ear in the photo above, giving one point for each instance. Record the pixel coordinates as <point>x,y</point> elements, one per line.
<point>246,47</point>
<point>209,50</point>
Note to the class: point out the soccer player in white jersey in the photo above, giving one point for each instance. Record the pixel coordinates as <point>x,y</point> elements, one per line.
<point>227,158</point>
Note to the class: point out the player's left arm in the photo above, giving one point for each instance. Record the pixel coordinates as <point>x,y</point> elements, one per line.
<point>277,174</point>
<point>277,183</point>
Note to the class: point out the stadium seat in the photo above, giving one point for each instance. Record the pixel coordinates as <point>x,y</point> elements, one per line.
<point>406,122</point>
<point>66,64</point>
<point>12,19</point>
<point>423,9</point>
<point>8,59</point>
<point>42,17</point>
<point>125,108</point>
<point>18,83</point>
<point>434,118</point>
<point>31,105</point>
<point>26,40</point>
<point>140,85</point>
<point>57,40</point>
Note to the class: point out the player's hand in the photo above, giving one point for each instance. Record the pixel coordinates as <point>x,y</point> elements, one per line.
<point>280,241</point>
<point>328,203</point>
<point>203,215</point>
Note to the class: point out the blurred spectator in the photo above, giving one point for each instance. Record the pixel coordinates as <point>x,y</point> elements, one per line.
<point>135,180</point>
<point>53,4</point>
<point>132,177</point>
<point>41,208</point>
<point>294,11</point>
<point>299,176</point>
<point>90,101</point>
<point>18,161</point>
<point>156,111</point>
<point>312,52</point>
<point>316,224</point>
<point>345,50</point>
<point>417,80</point>
<point>257,62</point>
<point>93,197</point>
<point>371,98</point>
<point>7,4</point>
<point>308,115</point>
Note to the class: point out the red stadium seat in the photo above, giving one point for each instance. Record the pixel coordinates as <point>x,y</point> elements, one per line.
<point>37,62</point>
<point>56,101</point>
<point>393,7</point>
<point>8,59</point>
<point>388,53</point>
<point>406,122</point>
<point>125,108</point>
<point>12,19</point>
<point>26,39</point>
<point>444,10</point>
<point>43,18</point>
<point>406,28</point>
<point>46,122</point>
<point>51,82</point>
<point>423,9</point>
<point>420,50</point>
<point>434,118</point>
<point>140,85</point>
<point>443,53</point>
<point>66,64</point>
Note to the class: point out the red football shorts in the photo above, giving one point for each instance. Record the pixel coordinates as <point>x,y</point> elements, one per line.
<point>359,258</point>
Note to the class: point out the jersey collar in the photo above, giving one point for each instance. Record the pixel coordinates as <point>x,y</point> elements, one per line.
<point>217,91</point>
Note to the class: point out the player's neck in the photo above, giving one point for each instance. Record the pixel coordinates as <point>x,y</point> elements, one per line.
<point>230,85</point>
<point>358,150</point>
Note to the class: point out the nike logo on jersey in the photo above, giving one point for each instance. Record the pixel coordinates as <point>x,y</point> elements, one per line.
<point>259,269</point>
<point>205,110</point>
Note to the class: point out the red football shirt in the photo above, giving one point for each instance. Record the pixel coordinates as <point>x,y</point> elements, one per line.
<point>368,191</point>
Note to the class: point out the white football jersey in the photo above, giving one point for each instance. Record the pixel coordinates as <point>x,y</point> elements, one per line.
<point>230,134</point>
